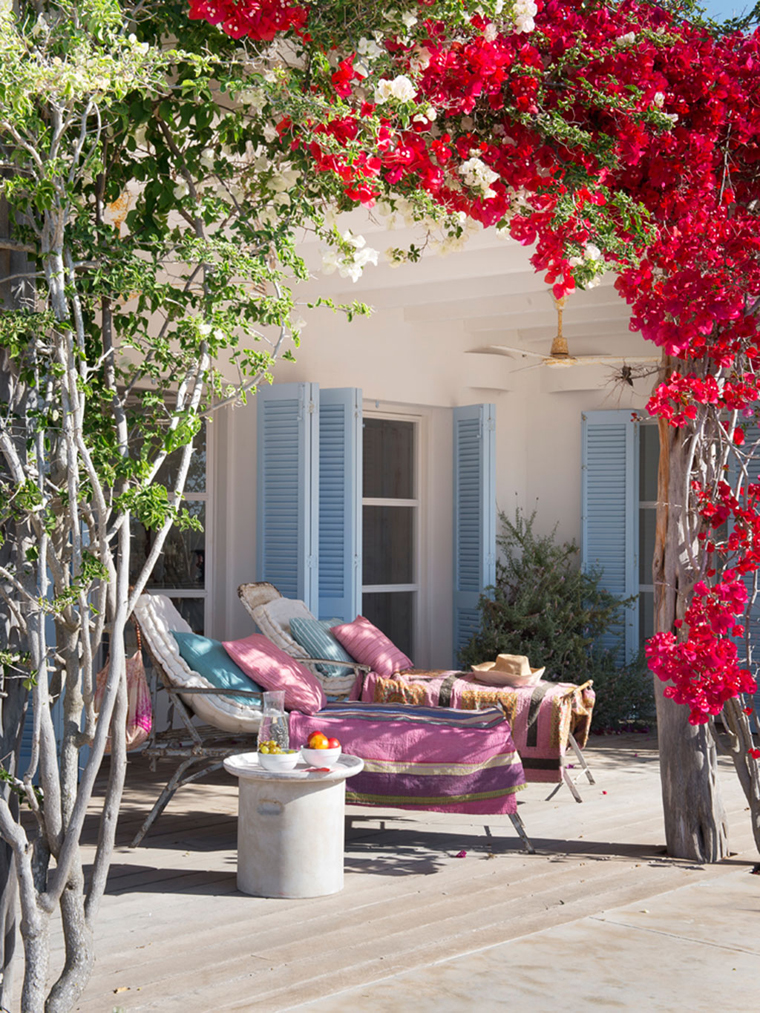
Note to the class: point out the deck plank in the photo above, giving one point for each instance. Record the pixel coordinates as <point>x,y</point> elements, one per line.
<point>174,933</point>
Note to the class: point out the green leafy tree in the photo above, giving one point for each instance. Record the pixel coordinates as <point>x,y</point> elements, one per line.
<point>155,205</point>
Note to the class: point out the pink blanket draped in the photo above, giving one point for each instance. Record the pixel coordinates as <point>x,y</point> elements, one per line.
<point>418,758</point>
<point>542,717</point>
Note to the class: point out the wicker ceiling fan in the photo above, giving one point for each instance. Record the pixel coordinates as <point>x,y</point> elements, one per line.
<point>559,356</point>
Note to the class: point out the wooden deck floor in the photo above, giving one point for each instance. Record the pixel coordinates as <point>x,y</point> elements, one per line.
<point>174,934</point>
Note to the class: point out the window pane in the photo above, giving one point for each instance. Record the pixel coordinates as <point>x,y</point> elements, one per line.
<point>646,615</point>
<point>196,475</point>
<point>649,459</point>
<point>191,610</point>
<point>388,459</point>
<point>393,613</point>
<point>647,530</point>
<point>388,545</point>
<point>182,562</point>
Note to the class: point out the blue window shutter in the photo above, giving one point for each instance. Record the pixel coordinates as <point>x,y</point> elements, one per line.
<point>609,514</point>
<point>340,503</point>
<point>751,618</point>
<point>287,489</point>
<point>474,515</point>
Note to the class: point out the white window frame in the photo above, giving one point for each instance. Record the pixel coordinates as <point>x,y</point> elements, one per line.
<point>642,504</point>
<point>208,573</point>
<point>417,586</point>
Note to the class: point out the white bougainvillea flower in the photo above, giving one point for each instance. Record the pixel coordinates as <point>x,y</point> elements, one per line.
<point>420,60</point>
<point>382,92</point>
<point>400,88</point>
<point>524,23</point>
<point>369,49</point>
<point>478,176</point>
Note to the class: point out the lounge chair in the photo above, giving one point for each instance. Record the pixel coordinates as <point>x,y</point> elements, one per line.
<point>228,726</point>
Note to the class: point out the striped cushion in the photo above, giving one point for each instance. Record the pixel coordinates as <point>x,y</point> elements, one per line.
<point>266,664</point>
<point>370,646</point>
<point>315,637</point>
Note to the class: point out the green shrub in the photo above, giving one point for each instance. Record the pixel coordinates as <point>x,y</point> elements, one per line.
<point>543,606</point>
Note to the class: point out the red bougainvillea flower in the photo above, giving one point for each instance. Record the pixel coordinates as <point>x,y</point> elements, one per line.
<point>625,137</point>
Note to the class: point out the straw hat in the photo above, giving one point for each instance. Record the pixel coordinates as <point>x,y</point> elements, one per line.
<point>508,670</point>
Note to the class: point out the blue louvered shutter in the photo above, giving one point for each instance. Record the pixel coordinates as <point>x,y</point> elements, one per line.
<point>609,515</point>
<point>25,753</point>
<point>474,515</point>
<point>752,615</point>
<point>287,489</point>
<point>340,503</point>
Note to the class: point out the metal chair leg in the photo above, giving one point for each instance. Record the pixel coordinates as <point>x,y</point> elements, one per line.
<point>163,799</point>
<point>581,758</point>
<point>519,826</point>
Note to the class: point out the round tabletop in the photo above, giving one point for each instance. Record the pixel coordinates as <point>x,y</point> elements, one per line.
<point>246,766</point>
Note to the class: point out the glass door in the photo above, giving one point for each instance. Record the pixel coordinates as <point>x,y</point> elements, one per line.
<point>390,519</point>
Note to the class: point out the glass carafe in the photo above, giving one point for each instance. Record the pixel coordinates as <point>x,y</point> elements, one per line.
<point>274,723</point>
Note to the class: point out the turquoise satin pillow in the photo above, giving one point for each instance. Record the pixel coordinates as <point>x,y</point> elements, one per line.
<point>208,658</point>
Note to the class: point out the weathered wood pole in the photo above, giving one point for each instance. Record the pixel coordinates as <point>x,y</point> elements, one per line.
<point>695,819</point>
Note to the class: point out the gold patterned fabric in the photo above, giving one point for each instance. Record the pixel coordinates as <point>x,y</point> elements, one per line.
<point>542,717</point>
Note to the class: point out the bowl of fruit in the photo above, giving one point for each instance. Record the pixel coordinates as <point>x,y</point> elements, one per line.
<point>273,757</point>
<point>321,751</point>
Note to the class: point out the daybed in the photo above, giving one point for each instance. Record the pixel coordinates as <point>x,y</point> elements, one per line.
<point>422,758</point>
<point>550,721</point>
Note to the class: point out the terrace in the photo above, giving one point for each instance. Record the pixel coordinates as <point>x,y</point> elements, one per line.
<point>174,933</point>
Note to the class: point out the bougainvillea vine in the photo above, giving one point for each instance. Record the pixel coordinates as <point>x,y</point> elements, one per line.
<point>604,137</point>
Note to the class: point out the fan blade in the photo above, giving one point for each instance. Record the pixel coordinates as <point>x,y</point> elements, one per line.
<point>504,350</point>
<point>533,365</point>
<point>635,359</point>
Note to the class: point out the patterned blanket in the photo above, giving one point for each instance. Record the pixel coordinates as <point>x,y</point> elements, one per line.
<point>541,717</point>
<point>425,758</point>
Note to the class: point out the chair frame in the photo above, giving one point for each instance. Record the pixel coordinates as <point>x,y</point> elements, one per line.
<point>201,749</point>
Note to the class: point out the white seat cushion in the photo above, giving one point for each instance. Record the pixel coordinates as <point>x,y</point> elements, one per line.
<point>273,619</point>
<point>157,617</point>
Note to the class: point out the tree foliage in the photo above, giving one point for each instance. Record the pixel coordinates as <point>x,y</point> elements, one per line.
<point>544,606</point>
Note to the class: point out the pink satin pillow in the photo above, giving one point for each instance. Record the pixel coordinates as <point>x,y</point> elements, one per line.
<point>273,669</point>
<point>369,646</point>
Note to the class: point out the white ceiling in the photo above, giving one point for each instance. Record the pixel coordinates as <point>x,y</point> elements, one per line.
<point>489,291</point>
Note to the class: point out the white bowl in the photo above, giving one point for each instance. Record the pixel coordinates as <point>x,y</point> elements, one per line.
<point>321,757</point>
<point>278,761</point>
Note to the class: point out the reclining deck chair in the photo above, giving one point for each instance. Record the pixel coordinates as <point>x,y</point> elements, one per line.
<point>273,613</point>
<point>229,726</point>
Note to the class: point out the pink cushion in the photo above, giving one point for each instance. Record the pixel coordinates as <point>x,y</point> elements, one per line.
<point>273,669</point>
<point>369,646</point>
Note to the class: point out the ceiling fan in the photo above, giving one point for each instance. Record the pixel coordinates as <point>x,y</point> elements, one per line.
<point>559,356</point>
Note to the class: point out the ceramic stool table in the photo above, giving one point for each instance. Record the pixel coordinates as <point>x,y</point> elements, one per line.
<point>291,827</point>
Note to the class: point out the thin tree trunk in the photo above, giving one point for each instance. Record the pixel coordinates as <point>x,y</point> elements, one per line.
<point>13,700</point>
<point>80,954</point>
<point>695,819</point>
<point>37,953</point>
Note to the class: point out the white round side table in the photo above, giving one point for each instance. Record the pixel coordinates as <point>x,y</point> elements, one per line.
<point>291,827</point>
